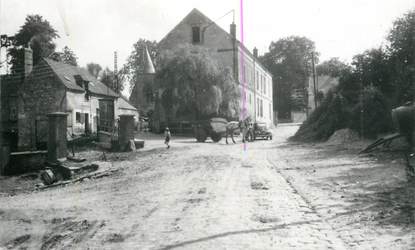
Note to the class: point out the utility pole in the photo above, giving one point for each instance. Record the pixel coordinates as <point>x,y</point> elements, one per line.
<point>115,73</point>
<point>314,80</point>
<point>254,87</point>
<point>1,123</point>
<point>306,90</point>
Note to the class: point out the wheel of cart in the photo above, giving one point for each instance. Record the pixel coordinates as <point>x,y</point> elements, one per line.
<point>216,137</point>
<point>215,128</point>
<point>200,134</point>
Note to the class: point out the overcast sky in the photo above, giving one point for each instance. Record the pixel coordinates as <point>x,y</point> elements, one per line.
<point>94,29</point>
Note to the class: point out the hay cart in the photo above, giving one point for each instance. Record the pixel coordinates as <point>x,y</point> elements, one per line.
<point>215,128</point>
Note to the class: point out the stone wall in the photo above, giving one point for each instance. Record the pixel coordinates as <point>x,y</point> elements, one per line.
<point>214,38</point>
<point>9,87</point>
<point>41,93</point>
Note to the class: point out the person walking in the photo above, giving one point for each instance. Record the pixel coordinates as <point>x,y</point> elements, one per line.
<point>167,137</point>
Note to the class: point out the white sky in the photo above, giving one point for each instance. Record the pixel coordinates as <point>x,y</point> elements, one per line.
<point>94,29</point>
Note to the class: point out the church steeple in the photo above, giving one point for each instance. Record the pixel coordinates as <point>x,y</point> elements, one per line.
<point>148,63</point>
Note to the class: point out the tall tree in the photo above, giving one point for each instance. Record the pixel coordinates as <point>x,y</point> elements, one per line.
<point>195,87</point>
<point>135,62</point>
<point>378,80</point>
<point>372,68</point>
<point>289,60</point>
<point>401,49</point>
<point>107,77</point>
<point>332,67</point>
<point>68,56</point>
<point>94,69</point>
<point>36,33</point>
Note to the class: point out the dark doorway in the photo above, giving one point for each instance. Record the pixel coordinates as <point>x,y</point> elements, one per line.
<point>87,130</point>
<point>106,115</point>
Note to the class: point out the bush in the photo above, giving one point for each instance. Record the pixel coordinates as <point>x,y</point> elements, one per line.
<point>372,114</point>
<point>331,115</point>
<point>369,117</point>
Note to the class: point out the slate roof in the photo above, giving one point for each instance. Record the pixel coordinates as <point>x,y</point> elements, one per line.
<point>66,73</point>
<point>123,103</point>
<point>148,64</point>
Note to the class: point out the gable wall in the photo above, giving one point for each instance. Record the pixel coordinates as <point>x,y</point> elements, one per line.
<point>40,94</point>
<point>213,38</point>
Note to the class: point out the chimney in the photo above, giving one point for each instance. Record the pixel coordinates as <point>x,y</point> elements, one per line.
<point>233,30</point>
<point>255,52</point>
<point>28,61</point>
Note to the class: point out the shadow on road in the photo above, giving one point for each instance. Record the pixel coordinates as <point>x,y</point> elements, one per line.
<point>383,192</point>
<point>374,188</point>
<point>248,231</point>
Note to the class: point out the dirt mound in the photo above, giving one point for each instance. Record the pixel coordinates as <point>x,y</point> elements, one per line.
<point>341,136</point>
<point>331,115</point>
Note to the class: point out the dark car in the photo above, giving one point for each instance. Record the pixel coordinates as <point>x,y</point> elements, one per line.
<point>261,131</point>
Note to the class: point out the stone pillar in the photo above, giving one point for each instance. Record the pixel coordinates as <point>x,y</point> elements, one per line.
<point>57,147</point>
<point>126,131</point>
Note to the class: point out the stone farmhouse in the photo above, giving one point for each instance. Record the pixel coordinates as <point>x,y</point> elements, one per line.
<point>53,86</point>
<point>253,79</point>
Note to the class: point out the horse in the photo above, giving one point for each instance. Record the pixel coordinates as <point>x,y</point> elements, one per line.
<point>404,123</point>
<point>234,126</point>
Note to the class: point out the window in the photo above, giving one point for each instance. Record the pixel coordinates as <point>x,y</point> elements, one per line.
<point>270,111</point>
<point>251,77</point>
<point>69,120</point>
<point>79,81</point>
<point>261,86</point>
<point>86,87</point>
<point>257,107</point>
<point>196,34</point>
<point>262,109</point>
<point>265,87</point>
<point>80,117</point>
<point>257,81</point>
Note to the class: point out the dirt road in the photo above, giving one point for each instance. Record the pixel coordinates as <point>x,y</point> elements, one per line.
<point>198,196</point>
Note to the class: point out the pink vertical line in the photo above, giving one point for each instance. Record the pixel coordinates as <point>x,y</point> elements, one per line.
<point>242,62</point>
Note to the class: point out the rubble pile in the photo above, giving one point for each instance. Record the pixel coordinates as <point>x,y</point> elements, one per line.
<point>342,136</point>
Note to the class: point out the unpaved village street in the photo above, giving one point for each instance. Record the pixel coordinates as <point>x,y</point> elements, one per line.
<point>271,195</point>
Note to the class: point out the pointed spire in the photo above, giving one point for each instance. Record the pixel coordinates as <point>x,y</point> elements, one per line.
<point>148,63</point>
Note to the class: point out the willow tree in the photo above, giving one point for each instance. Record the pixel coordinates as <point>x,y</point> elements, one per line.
<point>194,86</point>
